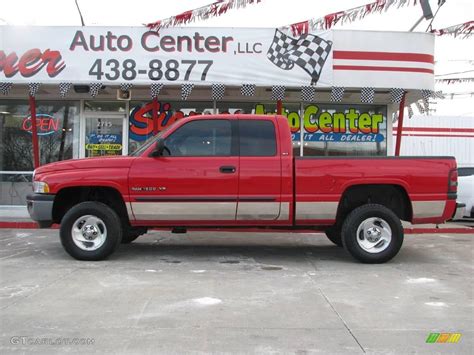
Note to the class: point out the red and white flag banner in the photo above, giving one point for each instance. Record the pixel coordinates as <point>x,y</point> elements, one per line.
<point>455,80</point>
<point>347,16</point>
<point>202,13</point>
<point>463,30</point>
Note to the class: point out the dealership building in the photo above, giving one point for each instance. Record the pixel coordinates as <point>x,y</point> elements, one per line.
<point>95,91</point>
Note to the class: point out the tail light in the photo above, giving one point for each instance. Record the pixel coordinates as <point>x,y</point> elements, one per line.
<point>453,181</point>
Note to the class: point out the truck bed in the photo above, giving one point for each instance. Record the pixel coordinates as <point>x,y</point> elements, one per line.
<point>320,181</point>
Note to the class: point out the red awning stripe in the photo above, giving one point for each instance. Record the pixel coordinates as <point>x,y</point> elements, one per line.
<point>393,56</point>
<point>438,129</point>
<point>375,68</point>
<point>436,135</point>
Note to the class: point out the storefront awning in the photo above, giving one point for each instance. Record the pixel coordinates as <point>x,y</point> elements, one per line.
<point>206,56</point>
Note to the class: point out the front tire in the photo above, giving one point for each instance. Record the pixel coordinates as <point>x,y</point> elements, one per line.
<point>90,231</point>
<point>372,234</point>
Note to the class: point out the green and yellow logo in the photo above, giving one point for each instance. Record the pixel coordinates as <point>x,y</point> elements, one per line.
<point>443,338</point>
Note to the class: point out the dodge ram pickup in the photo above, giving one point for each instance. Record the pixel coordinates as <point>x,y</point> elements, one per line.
<point>238,171</point>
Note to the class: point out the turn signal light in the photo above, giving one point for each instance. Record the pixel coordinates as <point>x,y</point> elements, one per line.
<point>40,187</point>
<point>453,181</point>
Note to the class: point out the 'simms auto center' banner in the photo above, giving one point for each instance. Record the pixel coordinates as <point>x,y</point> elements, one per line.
<point>204,56</point>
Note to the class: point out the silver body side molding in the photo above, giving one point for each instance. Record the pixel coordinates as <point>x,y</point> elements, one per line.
<point>186,211</point>
<point>427,209</point>
<point>316,210</point>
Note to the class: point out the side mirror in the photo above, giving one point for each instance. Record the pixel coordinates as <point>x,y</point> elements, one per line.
<point>159,147</point>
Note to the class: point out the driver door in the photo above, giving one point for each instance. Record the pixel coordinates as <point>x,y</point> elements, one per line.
<point>195,182</point>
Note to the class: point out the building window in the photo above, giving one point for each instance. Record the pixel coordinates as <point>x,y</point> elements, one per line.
<point>328,129</point>
<point>57,125</point>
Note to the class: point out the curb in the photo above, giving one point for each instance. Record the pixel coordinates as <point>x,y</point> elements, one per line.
<point>467,230</point>
<point>439,230</point>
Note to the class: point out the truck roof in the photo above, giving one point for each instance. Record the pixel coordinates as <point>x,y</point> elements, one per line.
<point>239,116</point>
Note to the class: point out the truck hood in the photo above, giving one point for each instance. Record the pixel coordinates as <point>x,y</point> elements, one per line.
<point>87,163</point>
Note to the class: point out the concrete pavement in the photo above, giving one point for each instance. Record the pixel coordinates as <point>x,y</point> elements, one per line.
<point>254,293</point>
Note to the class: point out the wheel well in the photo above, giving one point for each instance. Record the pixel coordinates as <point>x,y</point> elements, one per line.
<point>393,197</point>
<point>71,196</point>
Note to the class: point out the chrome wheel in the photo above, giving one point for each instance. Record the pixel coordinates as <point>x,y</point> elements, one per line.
<point>89,232</point>
<point>374,235</point>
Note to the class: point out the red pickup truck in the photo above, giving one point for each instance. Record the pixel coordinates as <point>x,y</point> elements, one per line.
<point>238,171</point>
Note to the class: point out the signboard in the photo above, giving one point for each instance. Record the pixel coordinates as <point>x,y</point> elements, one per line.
<point>348,125</point>
<point>230,56</point>
<point>45,124</point>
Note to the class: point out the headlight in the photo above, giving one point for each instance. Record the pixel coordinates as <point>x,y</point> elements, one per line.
<point>40,187</point>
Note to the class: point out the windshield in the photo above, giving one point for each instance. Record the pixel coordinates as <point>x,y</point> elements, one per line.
<point>149,142</point>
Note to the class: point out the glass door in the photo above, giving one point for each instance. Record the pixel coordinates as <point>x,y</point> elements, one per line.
<point>105,134</point>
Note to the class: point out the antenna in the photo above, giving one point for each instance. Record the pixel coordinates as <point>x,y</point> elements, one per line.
<point>427,13</point>
<point>80,13</point>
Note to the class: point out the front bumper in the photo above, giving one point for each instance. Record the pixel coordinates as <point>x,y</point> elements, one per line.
<point>40,208</point>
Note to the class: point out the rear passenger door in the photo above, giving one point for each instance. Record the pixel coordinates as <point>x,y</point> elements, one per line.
<point>260,171</point>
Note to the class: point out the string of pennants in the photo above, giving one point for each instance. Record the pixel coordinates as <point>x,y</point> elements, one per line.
<point>214,9</point>
<point>463,30</point>
<point>220,7</point>
<point>346,16</point>
<point>308,93</point>
<point>454,80</point>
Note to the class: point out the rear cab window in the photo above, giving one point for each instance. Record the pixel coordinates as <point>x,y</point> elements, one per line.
<point>257,138</point>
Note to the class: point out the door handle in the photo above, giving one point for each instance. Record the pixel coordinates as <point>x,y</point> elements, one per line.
<point>227,169</point>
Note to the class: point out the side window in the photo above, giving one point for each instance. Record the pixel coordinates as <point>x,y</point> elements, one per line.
<point>257,138</point>
<point>203,138</point>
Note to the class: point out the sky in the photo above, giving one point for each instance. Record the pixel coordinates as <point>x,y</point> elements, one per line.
<point>451,55</point>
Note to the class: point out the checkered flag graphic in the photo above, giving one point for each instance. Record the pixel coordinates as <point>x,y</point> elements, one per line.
<point>410,111</point>
<point>5,88</point>
<point>308,93</point>
<point>247,90</point>
<point>425,95</point>
<point>33,88</point>
<point>64,89</point>
<point>367,95</point>
<point>309,52</point>
<point>337,93</point>
<point>426,105</point>
<point>278,51</point>
<point>94,89</point>
<point>420,107</point>
<point>396,95</point>
<point>155,89</point>
<point>125,86</point>
<point>218,91</point>
<point>186,90</point>
<point>438,94</point>
<point>278,92</point>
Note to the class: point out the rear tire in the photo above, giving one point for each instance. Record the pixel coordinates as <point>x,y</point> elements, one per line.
<point>90,231</point>
<point>334,235</point>
<point>372,234</point>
